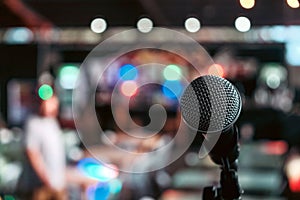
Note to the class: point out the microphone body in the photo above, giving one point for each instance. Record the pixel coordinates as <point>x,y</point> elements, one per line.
<point>211,105</point>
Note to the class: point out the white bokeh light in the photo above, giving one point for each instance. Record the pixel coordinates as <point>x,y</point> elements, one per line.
<point>242,24</point>
<point>144,25</point>
<point>293,3</point>
<point>98,25</point>
<point>273,81</point>
<point>192,25</point>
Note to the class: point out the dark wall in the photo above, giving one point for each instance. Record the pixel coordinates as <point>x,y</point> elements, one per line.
<point>16,62</point>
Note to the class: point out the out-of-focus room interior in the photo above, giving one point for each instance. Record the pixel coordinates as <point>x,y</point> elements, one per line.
<point>50,144</point>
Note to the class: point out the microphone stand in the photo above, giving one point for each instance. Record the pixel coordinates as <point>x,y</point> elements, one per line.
<point>229,188</point>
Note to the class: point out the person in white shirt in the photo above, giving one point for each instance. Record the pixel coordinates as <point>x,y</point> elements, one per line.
<point>45,150</point>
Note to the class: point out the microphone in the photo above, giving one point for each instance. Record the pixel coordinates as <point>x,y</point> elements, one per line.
<point>211,105</point>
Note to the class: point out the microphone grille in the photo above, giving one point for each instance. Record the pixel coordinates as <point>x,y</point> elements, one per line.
<point>210,104</point>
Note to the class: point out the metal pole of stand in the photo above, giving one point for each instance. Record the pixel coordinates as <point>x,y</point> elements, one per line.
<point>229,186</point>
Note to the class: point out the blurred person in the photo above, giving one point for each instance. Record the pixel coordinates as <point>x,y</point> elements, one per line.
<point>44,176</point>
<point>149,183</point>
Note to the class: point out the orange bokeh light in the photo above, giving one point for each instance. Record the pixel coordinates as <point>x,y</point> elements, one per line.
<point>217,70</point>
<point>129,88</point>
<point>247,4</point>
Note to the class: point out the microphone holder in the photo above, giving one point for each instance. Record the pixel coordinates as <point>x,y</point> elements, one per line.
<point>229,188</point>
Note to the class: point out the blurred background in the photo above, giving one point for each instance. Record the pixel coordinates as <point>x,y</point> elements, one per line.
<point>254,44</point>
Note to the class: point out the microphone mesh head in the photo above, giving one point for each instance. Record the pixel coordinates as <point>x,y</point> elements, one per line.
<point>210,104</point>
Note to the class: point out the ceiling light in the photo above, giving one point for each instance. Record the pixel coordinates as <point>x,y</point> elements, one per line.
<point>293,3</point>
<point>247,4</point>
<point>192,25</point>
<point>98,25</point>
<point>144,25</point>
<point>242,24</point>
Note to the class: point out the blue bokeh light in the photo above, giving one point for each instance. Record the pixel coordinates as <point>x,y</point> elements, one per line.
<point>92,168</point>
<point>293,53</point>
<point>128,72</point>
<point>99,192</point>
<point>172,89</point>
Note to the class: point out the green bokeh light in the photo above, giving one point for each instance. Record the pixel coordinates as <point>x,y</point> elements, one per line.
<point>172,72</point>
<point>9,197</point>
<point>68,75</point>
<point>45,92</point>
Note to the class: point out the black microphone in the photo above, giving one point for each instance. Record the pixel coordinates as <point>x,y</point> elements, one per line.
<point>211,105</point>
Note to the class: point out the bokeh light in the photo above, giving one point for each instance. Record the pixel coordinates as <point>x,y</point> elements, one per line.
<point>172,72</point>
<point>293,173</point>
<point>115,186</point>
<point>273,81</point>
<point>278,33</point>
<point>128,72</point>
<point>216,70</point>
<point>172,89</point>
<point>144,25</point>
<point>293,3</point>
<point>273,75</point>
<point>94,169</point>
<point>98,25</point>
<point>192,24</point>
<point>8,197</point>
<point>129,88</point>
<point>98,192</point>
<point>247,4</point>
<point>45,92</point>
<point>293,53</point>
<point>242,24</point>
<point>18,35</point>
<point>67,76</point>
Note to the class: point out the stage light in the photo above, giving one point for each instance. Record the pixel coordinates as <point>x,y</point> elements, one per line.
<point>128,72</point>
<point>172,89</point>
<point>98,25</point>
<point>247,4</point>
<point>192,25</point>
<point>67,76</point>
<point>242,24</point>
<point>172,72</point>
<point>293,3</point>
<point>129,88</point>
<point>216,70</point>
<point>144,25</point>
<point>45,92</point>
